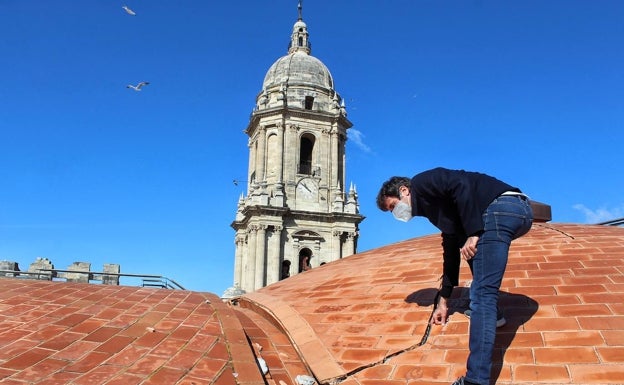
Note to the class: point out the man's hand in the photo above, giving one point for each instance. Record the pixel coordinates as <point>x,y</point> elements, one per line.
<point>470,248</point>
<point>440,314</point>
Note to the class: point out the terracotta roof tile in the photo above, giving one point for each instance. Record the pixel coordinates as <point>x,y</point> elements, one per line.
<point>357,321</point>
<point>53,332</point>
<point>561,295</point>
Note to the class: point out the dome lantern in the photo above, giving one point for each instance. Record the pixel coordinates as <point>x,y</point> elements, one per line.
<point>299,38</point>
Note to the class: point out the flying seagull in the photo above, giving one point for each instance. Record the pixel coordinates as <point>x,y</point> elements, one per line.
<point>128,10</point>
<point>138,86</point>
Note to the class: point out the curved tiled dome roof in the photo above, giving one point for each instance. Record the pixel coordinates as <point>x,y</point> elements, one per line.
<point>356,321</point>
<point>362,319</point>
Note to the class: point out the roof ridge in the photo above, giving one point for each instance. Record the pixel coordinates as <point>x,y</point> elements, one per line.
<point>235,339</point>
<point>272,345</point>
<point>310,348</point>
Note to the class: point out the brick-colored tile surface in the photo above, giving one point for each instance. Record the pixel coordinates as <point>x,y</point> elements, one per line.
<point>357,321</point>
<point>68,333</point>
<point>561,294</point>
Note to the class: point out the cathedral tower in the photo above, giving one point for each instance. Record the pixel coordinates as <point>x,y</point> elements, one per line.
<point>297,212</point>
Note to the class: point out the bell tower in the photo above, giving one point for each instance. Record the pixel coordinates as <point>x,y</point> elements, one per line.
<point>297,212</point>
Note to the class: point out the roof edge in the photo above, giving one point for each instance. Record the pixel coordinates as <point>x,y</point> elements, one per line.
<point>310,348</point>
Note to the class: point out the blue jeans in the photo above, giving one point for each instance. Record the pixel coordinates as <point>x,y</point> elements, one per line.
<point>506,218</point>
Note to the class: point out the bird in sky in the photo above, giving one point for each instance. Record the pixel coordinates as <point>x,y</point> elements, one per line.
<point>128,10</point>
<point>138,86</point>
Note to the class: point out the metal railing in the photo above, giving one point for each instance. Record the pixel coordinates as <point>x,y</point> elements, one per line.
<point>144,280</point>
<point>613,222</point>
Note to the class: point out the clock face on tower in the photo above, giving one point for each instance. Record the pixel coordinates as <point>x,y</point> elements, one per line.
<point>307,189</point>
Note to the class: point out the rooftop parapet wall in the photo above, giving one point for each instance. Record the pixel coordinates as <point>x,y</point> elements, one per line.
<point>43,269</point>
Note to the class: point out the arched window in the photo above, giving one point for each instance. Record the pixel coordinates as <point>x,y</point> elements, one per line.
<point>285,273</point>
<point>304,260</point>
<point>306,148</point>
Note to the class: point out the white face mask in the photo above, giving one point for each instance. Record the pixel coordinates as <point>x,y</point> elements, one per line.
<point>402,211</point>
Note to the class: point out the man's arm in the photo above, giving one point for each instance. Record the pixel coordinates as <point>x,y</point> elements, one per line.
<point>450,269</point>
<point>450,277</point>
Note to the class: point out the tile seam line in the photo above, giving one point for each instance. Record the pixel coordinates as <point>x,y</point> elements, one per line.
<point>261,297</point>
<point>325,369</point>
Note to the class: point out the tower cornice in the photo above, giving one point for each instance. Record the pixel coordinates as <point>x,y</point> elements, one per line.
<point>286,113</point>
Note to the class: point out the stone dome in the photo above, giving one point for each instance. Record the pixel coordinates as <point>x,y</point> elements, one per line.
<point>298,69</point>
<point>299,80</point>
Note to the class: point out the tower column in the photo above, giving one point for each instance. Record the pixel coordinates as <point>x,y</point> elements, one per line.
<point>315,262</point>
<point>326,166</point>
<point>250,265</point>
<point>260,256</point>
<point>252,164</point>
<point>238,261</point>
<point>261,155</point>
<point>349,244</point>
<point>280,141</point>
<point>290,151</point>
<point>294,264</point>
<point>273,261</point>
<point>337,245</point>
<point>334,158</point>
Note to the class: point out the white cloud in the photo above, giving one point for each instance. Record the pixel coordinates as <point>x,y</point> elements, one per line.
<point>602,214</point>
<point>358,138</point>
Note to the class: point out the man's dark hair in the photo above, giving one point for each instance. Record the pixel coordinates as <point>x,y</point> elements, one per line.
<point>390,188</point>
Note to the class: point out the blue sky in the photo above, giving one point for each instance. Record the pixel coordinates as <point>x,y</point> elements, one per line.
<point>531,92</point>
